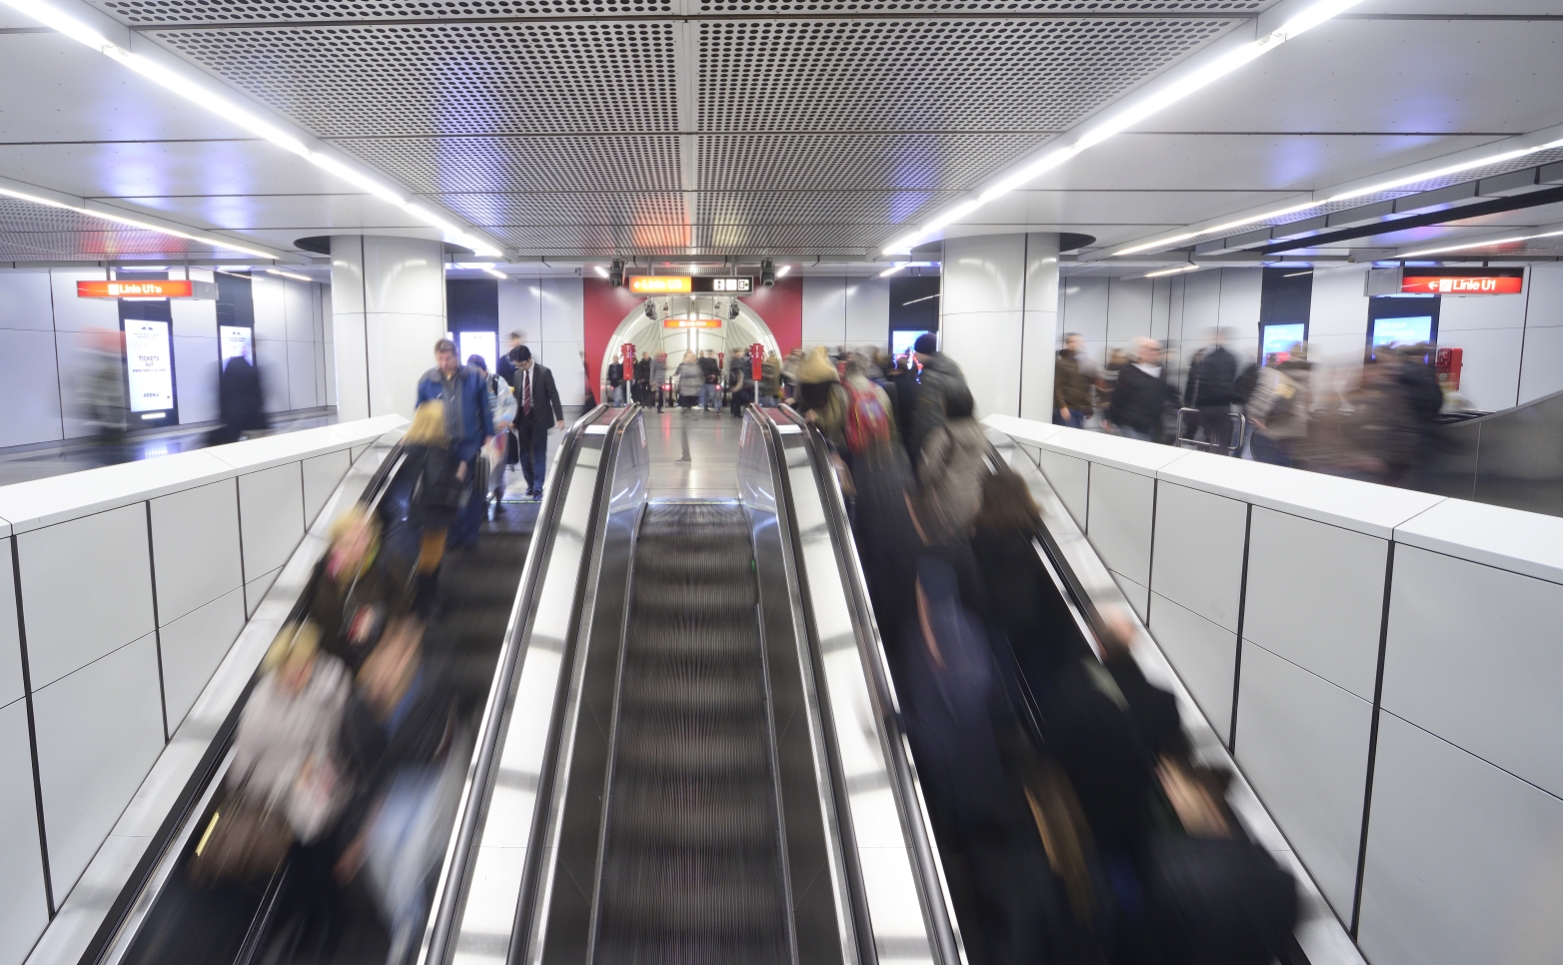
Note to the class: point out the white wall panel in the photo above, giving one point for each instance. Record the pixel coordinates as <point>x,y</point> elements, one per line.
<point>1084,304</point>
<point>1201,303</point>
<point>1071,479</point>
<point>330,356</point>
<point>1316,597</point>
<point>1128,310</point>
<point>401,349</point>
<point>72,314</point>
<point>868,312</point>
<point>1540,373</point>
<point>1139,597</point>
<point>195,541</point>
<point>23,911</point>
<point>193,317</point>
<point>1198,556</point>
<point>32,388</point>
<point>271,516</point>
<point>322,474</point>
<point>986,345</point>
<point>26,302</point>
<point>1303,743</point>
<point>195,378</point>
<point>1240,295</point>
<point>10,643</point>
<point>193,646</point>
<point>563,310</point>
<point>824,310</point>
<point>86,589</point>
<point>1544,308</point>
<point>255,590</point>
<point>1119,520</point>
<point>271,359</point>
<point>271,313</point>
<point>1464,313</point>
<point>1465,862</point>
<point>1204,656</point>
<point>298,310</point>
<point>1161,309</point>
<point>983,274</point>
<point>99,730</point>
<point>1473,657</point>
<point>301,375</point>
<point>1340,303</point>
<point>520,310</point>
<point>564,360</point>
<point>1491,375</point>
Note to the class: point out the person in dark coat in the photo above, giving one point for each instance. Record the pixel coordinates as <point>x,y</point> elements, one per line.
<point>1022,603</point>
<point>1141,395</point>
<point>1212,389</point>
<point>1072,400</point>
<point>505,368</point>
<point>357,588</point>
<point>469,420</point>
<point>241,401</point>
<point>537,410</point>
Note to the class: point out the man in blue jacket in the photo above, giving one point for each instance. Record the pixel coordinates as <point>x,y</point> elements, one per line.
<point>469,422</point>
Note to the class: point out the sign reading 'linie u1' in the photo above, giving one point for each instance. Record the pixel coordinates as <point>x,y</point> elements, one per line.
<point>135,289</point>
<point>1481,281</point>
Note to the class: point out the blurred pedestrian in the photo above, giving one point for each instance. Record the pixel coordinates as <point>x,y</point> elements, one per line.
<point>470,424</point>
<point>770,381</point>
<point>358,587</point>
<point>710,381</point>
<point>820,398</point>
<point>505,368</point>
<point>690,381</point>
<point>954,461</point>
<point>904,378</point>
<point>398,730</point>
<point>1072,401</point>
<point>659,377</point>
<point>1035,620</point>
<point>616,382</point>
<point>939,381</point>
<point>869,421</point>
<point>241,402</point>
<point>1212,389</point>
<point>1281,407</point>
<point>501,450</point>
<point>538,409</point>
<point>101,391</point>
<point>643,379</point>
<point>1141,395</point>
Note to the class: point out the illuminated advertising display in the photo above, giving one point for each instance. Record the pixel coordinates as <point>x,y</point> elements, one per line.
<point>661,284</point>
<point>686,284</point>
<point>150,364</point>
<point>135,289</point>
<point>235,341</point>
<point>691,323</point>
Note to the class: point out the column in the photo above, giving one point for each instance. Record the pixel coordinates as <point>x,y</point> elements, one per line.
<point>998,319</point>
<point>388,310</point>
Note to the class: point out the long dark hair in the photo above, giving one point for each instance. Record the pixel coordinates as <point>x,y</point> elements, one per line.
<point>1006,503</point>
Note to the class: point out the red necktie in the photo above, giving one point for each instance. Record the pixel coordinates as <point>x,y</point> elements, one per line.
<point>526,393</point>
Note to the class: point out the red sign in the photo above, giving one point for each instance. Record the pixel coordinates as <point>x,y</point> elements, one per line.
<point>691,323</point>
<point>135,289</point>
<point>1473,284</point>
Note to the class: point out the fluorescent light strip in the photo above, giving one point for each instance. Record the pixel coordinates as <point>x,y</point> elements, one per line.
<point>1343,196</point>
<point>782,271</point>
<point>1489,243</point>
<point>134,223</point>
<point>229,111</point>
<point>1134,114</point>
<point>1174,271</point>
<point>288,274</point>
<point>600,270</point>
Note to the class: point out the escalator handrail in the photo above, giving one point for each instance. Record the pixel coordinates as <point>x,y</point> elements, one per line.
<point>103,940</point>
<point>938,910</point>
<point>455,865</point>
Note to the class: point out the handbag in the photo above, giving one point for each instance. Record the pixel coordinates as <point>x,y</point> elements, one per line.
<point>245,840</point>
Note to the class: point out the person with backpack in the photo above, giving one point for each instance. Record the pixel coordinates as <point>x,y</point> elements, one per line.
<point>1280,407</point>
<point>869,428</point>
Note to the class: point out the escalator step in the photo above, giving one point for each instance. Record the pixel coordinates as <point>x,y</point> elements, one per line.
<point>692,865</point>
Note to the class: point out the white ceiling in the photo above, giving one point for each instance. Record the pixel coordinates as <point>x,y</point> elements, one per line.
<point>589,128</point>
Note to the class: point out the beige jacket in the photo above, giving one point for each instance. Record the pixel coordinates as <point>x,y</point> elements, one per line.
<point>952,470</point>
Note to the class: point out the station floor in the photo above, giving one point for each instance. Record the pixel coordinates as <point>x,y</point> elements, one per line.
<point>24,463</point>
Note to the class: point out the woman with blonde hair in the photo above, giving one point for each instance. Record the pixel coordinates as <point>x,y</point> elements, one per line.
<point>356,587</point>
<point>428,490</point>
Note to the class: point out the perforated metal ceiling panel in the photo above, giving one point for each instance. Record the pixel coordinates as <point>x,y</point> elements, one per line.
<point>843,162</point>
<point>575,208</point>
<point>524,164</point>
<point>929,75</point>
<point>450,78</point>
<point>36,232</point>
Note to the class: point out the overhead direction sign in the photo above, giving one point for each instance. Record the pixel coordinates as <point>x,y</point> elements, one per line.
<point>691,323</point>
<point>135,289</point>
<point>1491,281</point>
<point>691,284</point>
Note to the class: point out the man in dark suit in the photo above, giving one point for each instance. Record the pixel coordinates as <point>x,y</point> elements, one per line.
<point>537,405</point>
